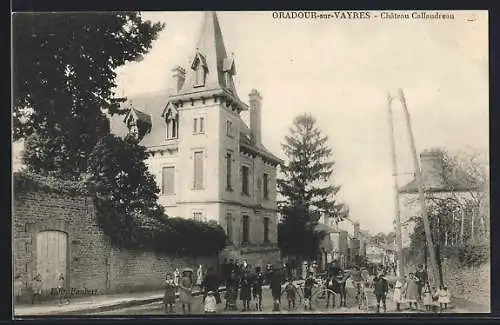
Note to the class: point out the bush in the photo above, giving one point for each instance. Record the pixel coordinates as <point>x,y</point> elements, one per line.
<point>171,236</point>
<point>473,255</point>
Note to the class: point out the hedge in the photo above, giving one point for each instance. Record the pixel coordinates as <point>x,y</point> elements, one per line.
<point>24,180</point>
<point>171,236</point>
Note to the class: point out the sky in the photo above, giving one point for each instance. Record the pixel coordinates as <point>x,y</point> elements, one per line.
<point>340,71</point>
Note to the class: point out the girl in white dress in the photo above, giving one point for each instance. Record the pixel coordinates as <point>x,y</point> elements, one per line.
<point>397,296</point>
<point>444,298</point>
<point>427,297</point>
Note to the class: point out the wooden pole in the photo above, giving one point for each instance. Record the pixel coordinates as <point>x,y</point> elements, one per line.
<point>396,190</point>
<point>418,174</point>
<point>462,226</point>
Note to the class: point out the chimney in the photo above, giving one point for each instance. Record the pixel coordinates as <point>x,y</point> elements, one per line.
<point>255,115</point>
<point>179,77</point>
<point>431,165</point>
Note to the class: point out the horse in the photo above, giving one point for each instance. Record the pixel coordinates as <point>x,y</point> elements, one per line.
<point>337,285</point>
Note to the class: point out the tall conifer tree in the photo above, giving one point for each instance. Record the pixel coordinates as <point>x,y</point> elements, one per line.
<point>306,189</point>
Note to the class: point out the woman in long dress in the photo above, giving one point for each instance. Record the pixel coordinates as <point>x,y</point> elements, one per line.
<point>199,276</point>
<point>177,275</point>
<point>186,291</point>
<point>444,298</point>
<point>412,291</point>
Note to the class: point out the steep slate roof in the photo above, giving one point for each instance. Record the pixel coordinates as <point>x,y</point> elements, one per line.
<point>455,183</point>
<point>151,105</point>
<point>211,51</point>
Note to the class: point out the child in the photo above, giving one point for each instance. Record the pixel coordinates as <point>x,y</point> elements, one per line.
<point>169,297</point>
<point>308,286</point>
<point>36,286</point>
<point>444,298</point>
<point>427,297</point>
<point>63,295</point>
<point>258,281</point>
<point>291,294</point>
<point>435,300</point>
<point>210,303</point>
<point>18,288</point>
<point>397,295</point>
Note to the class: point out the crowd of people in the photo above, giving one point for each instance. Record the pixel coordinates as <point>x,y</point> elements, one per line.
<point>239,279</point>
<point>415,289</point>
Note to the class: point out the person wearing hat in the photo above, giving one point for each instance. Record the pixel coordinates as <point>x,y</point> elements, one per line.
<point>397,295</point>
<point>186,291</point>
<point>308,286</point>
<point>245,290</point>
<point>381,289</point>
<point>210,303</point>
<point>276,280</point>
<point>257,283</point>
<point>412,291</point>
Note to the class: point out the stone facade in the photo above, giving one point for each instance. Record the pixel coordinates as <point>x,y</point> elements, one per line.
<point>90,262</point>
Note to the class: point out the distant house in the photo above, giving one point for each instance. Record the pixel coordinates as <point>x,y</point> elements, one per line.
<point>438,184</point>
<point>345,241</point>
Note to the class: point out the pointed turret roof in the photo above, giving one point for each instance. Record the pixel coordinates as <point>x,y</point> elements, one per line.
<point>211,54</point>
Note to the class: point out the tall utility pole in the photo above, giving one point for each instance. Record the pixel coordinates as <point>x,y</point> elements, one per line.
<point>399,240</point>
<point>418,174</point>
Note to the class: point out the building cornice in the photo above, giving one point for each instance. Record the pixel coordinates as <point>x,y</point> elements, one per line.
<point>231,202</point>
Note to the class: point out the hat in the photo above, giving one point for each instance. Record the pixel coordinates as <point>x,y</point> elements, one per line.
<point>210,293</point>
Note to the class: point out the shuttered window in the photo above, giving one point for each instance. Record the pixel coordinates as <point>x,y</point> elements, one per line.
<point>168,180</point>
<point>198,170</point>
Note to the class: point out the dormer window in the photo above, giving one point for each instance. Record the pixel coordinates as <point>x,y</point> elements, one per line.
<point>229,71</point>
<point>199,67</point>
<point>200,76</point>
<point>171,116</point>
<point>138,123</point>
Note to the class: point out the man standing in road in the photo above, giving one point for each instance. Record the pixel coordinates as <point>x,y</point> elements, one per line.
<point>421,275</point>
<point>211,283</point>
<point>276,280</point>
<point>357,280</point>
<point>381,289</point>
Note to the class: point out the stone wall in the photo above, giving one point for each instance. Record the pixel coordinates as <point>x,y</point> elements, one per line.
<point>471,284</point>
<point>91,263</point>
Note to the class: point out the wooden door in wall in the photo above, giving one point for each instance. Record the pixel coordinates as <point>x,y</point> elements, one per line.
<point>52,250</point>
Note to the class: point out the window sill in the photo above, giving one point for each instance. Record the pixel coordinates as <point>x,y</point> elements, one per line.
<point>198,189</point>
<point>198,133</point>
<point>168,195</point>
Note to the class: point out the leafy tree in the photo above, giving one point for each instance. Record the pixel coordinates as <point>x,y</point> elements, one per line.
<point>451,212</point>
<point>63,67</point>
<point>305,189</point>
<point>125,190</point>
